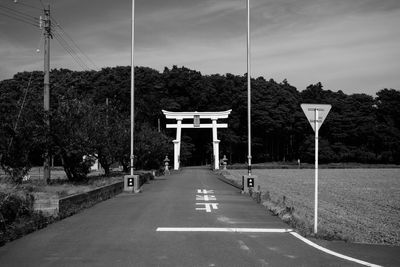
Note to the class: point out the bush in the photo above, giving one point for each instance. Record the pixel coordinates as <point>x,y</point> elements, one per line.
<point>145,177</point>
<point>14,205</point>
<point>76,166</point>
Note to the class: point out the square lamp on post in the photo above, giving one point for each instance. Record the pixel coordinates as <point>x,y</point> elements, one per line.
<point>131,184</point>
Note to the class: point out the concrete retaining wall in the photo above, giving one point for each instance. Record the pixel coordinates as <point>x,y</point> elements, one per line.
<point>224,176</point>
<point>69,205</point>
<point>46,203</point>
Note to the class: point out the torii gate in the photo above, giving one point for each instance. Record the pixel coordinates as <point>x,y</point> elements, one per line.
<point>196,116</point>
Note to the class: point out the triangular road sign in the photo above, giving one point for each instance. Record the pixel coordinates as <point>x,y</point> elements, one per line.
<point>309,110</point>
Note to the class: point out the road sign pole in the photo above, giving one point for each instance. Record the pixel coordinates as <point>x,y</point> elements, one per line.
<point>316,173</point>
<point>316,114</point>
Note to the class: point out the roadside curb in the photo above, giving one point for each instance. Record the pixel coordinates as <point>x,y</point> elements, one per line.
<point>221,176</point>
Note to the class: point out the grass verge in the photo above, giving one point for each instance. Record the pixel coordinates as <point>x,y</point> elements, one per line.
<point>295,219</point>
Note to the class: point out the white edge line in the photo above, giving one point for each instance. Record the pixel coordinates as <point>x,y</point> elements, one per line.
<point>217,229</point>
<point>305,240</point>
<point>263,230</point>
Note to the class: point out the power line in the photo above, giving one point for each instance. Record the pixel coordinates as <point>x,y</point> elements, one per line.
<point>23,4</point>
<point>17,12</point>
<point>69,45</point>
<point>20,19</point>
<point>18,15</point>
<point>70,51</point>
<point>63,38</point>
<point>74,43</point>
<point>20,111</point>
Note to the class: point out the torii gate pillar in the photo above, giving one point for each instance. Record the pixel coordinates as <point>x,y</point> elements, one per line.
<point>196,116</point>
<point>177,144</point>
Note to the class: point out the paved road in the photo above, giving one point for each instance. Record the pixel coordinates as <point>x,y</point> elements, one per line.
<point>123,232</point>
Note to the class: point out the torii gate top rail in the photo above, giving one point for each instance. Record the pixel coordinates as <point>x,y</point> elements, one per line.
<point>196,116</point>
<point>203,114</point>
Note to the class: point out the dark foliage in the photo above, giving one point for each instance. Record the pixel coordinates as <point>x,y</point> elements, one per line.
<point>91,116</point>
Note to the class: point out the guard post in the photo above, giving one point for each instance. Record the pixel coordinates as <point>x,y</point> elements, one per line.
<point>131,183</point>
<point>249,183</point>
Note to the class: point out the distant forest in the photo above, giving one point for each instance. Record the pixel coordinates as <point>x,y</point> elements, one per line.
<point>95,105</point>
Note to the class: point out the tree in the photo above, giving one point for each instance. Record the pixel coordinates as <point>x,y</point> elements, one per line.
<point>358,128</point>
<point>71,138</point>
<point>388,126</point>
<point>109,134</point>
<point>151,147</point>
<point>21,127</point>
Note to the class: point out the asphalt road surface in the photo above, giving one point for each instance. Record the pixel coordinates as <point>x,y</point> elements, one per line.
<point>189,218</point>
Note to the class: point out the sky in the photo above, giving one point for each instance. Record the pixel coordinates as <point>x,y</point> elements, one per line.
<point>348,45</point>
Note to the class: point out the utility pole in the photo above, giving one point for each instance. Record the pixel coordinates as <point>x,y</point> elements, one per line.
<point>46,99</point>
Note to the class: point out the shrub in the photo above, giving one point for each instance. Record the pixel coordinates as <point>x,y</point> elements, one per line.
<point>15,204</point>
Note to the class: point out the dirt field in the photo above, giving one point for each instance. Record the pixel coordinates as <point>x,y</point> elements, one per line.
<point>362,205</point>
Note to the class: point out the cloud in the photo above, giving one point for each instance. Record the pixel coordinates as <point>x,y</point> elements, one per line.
<point>341,43</point>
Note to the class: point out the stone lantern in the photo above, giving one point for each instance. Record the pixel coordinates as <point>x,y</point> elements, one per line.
<point>224,162</point>
<point>166,165</point>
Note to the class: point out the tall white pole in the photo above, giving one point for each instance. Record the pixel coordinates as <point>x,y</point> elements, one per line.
<point>132,86</point>
<point>248,90</point>
<point>316,173</point>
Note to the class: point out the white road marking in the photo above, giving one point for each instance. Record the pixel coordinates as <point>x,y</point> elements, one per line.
<point>243,245</point>
<point>206,198</point>
<point>205,191</point>
<point>208,206</point>
<point>308,242</point>
<point>226,229</point>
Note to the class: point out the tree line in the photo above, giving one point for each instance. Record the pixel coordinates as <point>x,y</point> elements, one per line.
<point>90,116</point>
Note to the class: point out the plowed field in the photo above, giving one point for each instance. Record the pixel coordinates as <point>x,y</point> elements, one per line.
<point>360,204</point>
